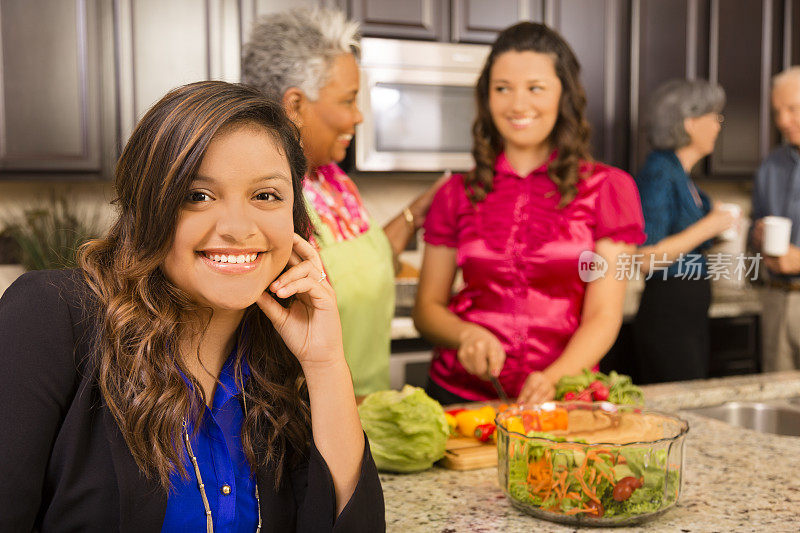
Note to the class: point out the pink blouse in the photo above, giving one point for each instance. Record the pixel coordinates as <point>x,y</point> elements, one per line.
<point>518,253</point>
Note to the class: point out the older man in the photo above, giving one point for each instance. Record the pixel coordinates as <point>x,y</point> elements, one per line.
<point>777,192</point>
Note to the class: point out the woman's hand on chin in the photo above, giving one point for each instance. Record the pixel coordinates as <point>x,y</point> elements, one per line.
<point>310,326</point>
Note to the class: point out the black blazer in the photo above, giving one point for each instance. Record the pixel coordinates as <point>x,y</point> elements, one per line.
<point>64,465</point>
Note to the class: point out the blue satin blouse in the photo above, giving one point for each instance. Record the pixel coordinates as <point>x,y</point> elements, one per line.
<point>218,449</point>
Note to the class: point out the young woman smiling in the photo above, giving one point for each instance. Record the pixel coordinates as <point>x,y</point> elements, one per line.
<point>190,375</point>
<point>516,225</point>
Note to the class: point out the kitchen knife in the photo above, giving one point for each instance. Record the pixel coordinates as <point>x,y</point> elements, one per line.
<point>499,389</point>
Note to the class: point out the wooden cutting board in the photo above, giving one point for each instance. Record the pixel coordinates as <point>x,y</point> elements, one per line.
<point>465,453</point>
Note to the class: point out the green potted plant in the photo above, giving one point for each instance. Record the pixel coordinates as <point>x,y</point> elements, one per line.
<point>44,236</point>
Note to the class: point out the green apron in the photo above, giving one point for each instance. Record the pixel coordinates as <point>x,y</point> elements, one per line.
<point>362,273</point>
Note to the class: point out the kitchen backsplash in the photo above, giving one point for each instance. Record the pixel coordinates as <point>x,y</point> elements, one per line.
<point>385,194</point>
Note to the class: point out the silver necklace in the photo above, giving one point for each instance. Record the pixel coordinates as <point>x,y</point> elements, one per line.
<point>202,487</point>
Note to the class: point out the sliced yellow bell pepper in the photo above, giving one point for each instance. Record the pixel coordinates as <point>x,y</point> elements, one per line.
<point>468,420</point>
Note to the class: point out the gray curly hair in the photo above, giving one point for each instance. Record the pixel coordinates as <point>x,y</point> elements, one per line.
<point>675,101</point>
<point>296,48</point>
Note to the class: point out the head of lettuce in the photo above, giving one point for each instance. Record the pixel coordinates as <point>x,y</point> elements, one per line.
<point>407,430</point>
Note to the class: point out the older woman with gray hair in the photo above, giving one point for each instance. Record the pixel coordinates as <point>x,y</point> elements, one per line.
<point>306,58</point>
<point>671,327</point>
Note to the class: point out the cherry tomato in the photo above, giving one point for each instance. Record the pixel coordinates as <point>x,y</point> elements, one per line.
<point>625,487</point>
<point>569,396</point>
<point>627,480</point>
<point>622,491</point>
<point>599,510</point>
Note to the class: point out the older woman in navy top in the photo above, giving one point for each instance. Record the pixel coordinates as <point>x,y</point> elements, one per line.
<point>671,327</point>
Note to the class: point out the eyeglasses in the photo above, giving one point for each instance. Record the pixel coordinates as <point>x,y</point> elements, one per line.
<point>718,117</point>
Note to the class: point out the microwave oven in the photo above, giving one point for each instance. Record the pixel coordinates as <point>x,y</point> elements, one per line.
<point>418,103</point>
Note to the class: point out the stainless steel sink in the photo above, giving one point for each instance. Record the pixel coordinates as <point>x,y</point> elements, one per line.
<point>779,417</point>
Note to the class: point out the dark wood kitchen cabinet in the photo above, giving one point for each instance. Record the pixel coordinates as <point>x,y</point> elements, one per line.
<point>479,21</point>
<point>76,75</point>
<point>466,21</point>
<point>627,48</point>
<point>669,40</point>
<point>742,58</point>
<point>161,45</point>
<point>598,32</point>
<point>791,33</point>
<point>56,118</point>
<point>739,44</point>
<point>409,19</point>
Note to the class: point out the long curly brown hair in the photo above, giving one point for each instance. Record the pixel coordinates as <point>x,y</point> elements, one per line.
<point>142,314</point>
<point>570,135</point>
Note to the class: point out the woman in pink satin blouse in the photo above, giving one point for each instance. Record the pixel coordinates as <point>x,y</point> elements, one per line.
<point>516,226</point>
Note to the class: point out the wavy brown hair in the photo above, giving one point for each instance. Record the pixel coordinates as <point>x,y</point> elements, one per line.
<point>142,314</point>
<point>570,135</point>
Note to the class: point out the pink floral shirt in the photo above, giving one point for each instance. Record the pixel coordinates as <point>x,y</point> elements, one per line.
<point>518,252</point>
<point>335,198</point>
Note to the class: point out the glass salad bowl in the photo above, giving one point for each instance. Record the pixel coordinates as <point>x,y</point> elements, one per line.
<point>590,464</point>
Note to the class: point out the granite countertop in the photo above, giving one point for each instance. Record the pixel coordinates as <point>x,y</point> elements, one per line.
<point>735,480</point>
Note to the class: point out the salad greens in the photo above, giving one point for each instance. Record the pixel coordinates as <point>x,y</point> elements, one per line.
<point>569,478</point>
<point>407,429</point>
<point>619,387</point>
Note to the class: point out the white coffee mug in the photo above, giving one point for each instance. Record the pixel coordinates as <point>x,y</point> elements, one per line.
<point>777,235</point>
<point>732,232</point>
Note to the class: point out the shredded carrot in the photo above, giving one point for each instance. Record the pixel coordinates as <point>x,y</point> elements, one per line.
<point>549,490</point>
<point>609,477</point>
<point>592,496</point>
<point>580,510</point>
<point>544,481</point>
<point>540,476</point>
